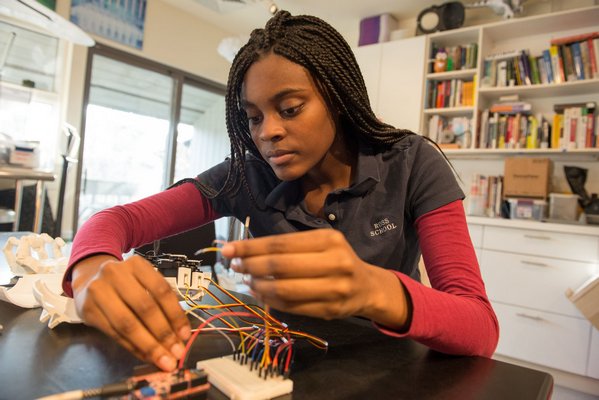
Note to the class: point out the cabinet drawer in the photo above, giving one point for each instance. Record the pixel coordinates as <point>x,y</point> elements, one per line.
<point>549,244</point>
<point>593,369</point>
<point>533,282</point>
<point>542,338</point>
<point>476,234</point>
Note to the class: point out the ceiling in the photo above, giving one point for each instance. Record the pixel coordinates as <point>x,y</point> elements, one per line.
<point>344,15</point>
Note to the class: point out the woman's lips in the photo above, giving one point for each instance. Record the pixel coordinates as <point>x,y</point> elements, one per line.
<point>279,157</point>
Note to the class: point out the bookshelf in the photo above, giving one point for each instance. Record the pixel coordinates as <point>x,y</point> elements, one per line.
<point>530,34</point>
<point>527,298</point>
<point>560,340</point>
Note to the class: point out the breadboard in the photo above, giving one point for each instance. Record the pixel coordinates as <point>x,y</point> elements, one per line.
<point>239,383</point>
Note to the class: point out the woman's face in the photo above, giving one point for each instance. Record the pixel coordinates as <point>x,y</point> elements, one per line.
<point>288,118</point>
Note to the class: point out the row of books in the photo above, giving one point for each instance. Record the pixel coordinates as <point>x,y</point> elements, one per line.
<point>578,125</point>
<point>567,59</point>
<point>513,131</point>
<point>450,93</point>
<point>578,57</point>
<point>485,197</point>
<point>450,131</point>
<point>458,57</point>
<point>573,126</point>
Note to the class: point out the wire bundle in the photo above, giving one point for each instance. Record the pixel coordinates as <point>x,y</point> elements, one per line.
<point>264,342</point>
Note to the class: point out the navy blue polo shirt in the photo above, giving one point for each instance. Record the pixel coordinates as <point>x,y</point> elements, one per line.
<point>394,185</point>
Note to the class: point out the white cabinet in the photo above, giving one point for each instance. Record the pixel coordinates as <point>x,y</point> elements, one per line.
<point>369,60</point>
<point>394,79</point>
<point>400,91</point>
<point>527,268</point>
<point>536,282</point>
<point>543,338</point>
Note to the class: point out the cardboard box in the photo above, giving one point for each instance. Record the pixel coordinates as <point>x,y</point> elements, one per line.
<point>586,299</point>
<point>527,177</point>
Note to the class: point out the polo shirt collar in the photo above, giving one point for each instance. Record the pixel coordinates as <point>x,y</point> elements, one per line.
<point>286,194</point>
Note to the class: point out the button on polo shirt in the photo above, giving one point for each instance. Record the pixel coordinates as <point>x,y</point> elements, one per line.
<point>393,186</point>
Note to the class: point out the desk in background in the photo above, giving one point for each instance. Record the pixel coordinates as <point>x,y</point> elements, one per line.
<point>19,175</point>
<point>361,363</point>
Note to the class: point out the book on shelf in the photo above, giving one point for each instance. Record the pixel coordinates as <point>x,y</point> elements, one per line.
<point>548,67</point>
<point>574,38</point>
<point>485,195</point>
<point>593,45</point>
<point>510,107</point>
<point>450,93</point>
<point>577,125</point>
<point>450,130</point>
<point>557,64</point>
<point>585,61</point>
<point>568,57</point>
<point>535,74</point>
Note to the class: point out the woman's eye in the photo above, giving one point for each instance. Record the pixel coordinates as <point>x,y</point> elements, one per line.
<point>253,120</point>
<point>291,111</point>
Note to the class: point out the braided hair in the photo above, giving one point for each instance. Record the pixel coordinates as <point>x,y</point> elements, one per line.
<point>315,45</point>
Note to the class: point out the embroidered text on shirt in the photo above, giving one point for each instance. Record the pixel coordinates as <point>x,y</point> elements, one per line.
<point>382,226</point>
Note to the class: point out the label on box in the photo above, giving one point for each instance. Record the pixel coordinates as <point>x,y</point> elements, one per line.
<point>527,177</point>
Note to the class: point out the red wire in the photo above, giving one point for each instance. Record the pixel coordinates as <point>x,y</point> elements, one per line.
<point>204,324</point>
<point>288,358</point>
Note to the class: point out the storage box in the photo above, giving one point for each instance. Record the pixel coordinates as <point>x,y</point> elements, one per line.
<point>563,206</point>
<point>527,209</point>
<point>376,29</point>
<point>527,177</point>
<point>586,299</point>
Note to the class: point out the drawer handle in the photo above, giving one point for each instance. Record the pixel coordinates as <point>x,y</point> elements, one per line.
<point>533,317</point>
<point>536,264</point>
<point>537,237</point>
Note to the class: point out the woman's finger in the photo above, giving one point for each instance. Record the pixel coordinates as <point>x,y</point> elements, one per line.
<point>303,290</point>
<point>126,324</point>
<point>100,322</point>
<point>286,266</point>
<point>165,297</point>
<point>314,241</point>
<point>148,308</point>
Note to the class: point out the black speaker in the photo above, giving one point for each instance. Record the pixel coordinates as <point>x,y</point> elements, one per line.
<point>449,15</point>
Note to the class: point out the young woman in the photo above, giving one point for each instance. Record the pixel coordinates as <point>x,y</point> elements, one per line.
<point>341,208</point>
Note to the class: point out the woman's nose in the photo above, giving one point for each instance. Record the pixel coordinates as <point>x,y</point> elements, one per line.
<point>272,128</point>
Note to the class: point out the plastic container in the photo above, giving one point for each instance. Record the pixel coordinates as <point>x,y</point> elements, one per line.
<point>527,209</point>
<point>563,206</point>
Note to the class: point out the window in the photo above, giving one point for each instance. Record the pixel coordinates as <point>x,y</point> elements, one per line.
<point>200,143</point>
<point>28,86</point>
<point>28,58</point>
<point>131,147</point>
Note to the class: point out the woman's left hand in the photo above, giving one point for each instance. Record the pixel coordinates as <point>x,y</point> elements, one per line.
<point>317,273</point>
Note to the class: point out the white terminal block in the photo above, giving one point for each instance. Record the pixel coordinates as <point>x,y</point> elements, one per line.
<point>200,280</point>
<point>239,383</point>
<point>183,277</point>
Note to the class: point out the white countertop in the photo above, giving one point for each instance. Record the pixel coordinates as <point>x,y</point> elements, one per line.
<point>582,229</point>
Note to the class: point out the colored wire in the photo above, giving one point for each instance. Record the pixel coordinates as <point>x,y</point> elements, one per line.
<point>203,325</point>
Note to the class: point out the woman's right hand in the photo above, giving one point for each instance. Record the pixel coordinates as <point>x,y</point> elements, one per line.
<point>132,303</point>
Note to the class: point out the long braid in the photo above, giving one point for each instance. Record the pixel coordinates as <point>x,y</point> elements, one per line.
<point>314,44</point>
